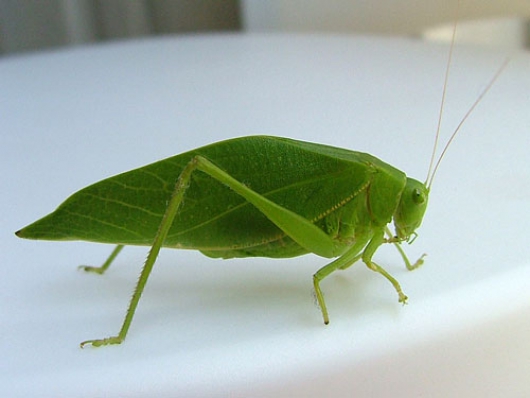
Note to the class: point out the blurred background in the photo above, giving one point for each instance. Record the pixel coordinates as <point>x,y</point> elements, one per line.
<point>29,25</point>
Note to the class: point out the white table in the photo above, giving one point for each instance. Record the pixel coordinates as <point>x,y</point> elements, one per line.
<point>212,327</point>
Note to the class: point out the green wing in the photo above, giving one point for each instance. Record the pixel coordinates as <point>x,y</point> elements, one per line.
<point>312,180</point>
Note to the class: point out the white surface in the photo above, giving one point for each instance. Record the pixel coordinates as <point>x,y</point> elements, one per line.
<point>250,326</point>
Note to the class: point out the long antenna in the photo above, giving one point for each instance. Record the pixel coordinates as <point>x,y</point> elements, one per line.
<point>430,179</point>
<point>433,168</point>
<point>442,102</point>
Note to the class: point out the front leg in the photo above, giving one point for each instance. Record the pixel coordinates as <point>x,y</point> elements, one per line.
<point>377,240</point>
<point>397,243</point>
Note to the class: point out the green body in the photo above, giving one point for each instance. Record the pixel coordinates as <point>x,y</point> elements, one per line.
<point>250,196</point>
<point>340,191</point>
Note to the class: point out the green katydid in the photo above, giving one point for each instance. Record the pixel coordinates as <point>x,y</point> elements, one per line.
<point>247,197</point>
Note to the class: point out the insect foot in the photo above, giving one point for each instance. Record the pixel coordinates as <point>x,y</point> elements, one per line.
<point>101,270</point>
<point>419,262</point>
<point>402,298</point>
<point>91,269</point>
<point>102,342</point>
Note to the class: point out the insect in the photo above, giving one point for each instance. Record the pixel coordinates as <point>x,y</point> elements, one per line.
<point>247,197</point>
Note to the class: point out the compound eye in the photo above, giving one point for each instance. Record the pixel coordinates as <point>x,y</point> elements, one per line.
<point>418,196</point>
